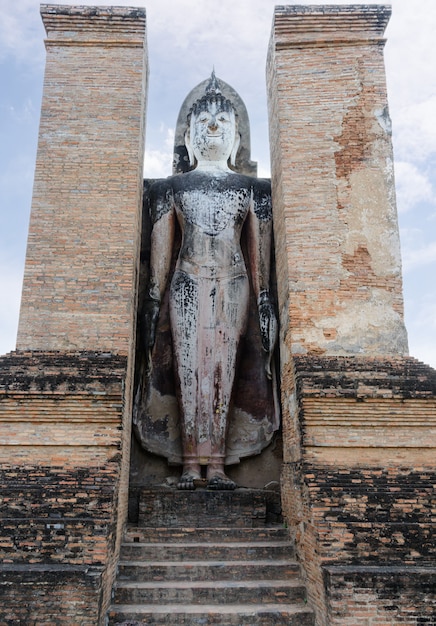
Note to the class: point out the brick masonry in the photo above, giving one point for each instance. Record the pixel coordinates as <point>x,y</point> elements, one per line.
<point>336,232</point>
<point>358,416</point>
<point>62,434</point>
<point>66,395</point>
<point>382,595</point>
<point>358,486</point>
<point>80,281</point>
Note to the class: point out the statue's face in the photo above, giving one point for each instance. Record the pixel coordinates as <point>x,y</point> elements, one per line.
<point>213,134</point>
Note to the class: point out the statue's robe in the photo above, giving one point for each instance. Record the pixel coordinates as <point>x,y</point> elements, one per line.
<point>254,415</point>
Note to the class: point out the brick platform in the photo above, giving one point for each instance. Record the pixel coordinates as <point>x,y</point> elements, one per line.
<point>242,507</point>
<point>62,498</point>
<point>358,487</point>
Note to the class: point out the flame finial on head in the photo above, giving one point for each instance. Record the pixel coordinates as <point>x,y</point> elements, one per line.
<point>213,87</point>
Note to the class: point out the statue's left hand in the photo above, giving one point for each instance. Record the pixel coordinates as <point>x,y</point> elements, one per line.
<point>150,317</point>
<point>268,328</point>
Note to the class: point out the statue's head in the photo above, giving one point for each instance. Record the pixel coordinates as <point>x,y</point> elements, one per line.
<point>212,133</point>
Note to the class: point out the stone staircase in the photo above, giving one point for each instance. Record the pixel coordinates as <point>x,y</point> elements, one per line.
<point>207,557</point>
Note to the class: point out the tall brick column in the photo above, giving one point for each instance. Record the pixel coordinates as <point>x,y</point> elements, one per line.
<point>81,266</point>
<point>358,415</point>
<point>66,394</point>
<point>337,244</point>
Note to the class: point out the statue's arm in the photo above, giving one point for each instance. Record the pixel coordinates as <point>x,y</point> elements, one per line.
<point>259,247</point>
<point>162,241</point>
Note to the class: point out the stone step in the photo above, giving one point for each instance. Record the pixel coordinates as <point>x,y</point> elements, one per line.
<point>212,615</point>
<point>202,508</point>
<point>190,551</point>
<point>210,592</point>
<point>224,534</point>
<point>209,558</point>
<point>266,569</point>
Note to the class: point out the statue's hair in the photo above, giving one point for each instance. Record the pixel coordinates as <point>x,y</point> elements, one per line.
<point>223,104</point>
<point>211,95</point>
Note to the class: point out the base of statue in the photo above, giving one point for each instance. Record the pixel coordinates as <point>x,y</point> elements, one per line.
<point>165,506</point>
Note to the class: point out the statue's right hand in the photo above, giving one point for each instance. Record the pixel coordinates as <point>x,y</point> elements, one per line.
<point>150,317</point>
<point>268,328</point>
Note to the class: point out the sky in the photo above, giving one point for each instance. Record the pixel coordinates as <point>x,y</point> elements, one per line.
<point>186,39</point>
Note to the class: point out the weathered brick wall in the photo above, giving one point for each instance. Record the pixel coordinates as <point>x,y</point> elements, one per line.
<point>66,417</point>
<point>27,595</point>
<point>336,232</point>
<point>80,281</point>
<point>383,596</point>
<point>358,432</point>
<point>359,487</point>
<point>63,464</point>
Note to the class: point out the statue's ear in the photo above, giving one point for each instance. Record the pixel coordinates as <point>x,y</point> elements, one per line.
<point>235,149</point>
<point>189,147</point>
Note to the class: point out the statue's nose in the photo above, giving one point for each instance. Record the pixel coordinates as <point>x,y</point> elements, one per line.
<point>213,124</point>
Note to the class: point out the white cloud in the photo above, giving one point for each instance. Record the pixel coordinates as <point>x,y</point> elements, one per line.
<point>418,257</point>
<point>158,162</point>
<point>409,57</point>
<point>412,186</point>
<point>421,324</point>
<point>408,52</point>
<point>263,171</point>
<point>422,347</point>
<point>21,36</point>
<point>10,288</point>
<point>26,112</point>
<point>415,130</point>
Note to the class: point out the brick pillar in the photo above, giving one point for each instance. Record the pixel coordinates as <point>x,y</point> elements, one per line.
<point>357,414</point>
<point>79,289</point>
<point>69,454</point>
<point>337,243</point>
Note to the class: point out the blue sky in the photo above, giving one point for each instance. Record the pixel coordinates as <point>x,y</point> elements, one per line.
<point>186,38</point>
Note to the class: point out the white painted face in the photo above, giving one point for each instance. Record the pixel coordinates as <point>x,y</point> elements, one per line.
<point>213,134</point>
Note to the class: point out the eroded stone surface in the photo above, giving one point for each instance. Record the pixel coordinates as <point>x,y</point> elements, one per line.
<point>219,282</point>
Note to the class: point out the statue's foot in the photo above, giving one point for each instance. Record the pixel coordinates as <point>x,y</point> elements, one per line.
<point>187,479</point>
<point>221,482</point>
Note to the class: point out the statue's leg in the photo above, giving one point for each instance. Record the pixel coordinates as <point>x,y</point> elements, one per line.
<point>208,317</point>
<point>231,308</point>
<point>184,298</point>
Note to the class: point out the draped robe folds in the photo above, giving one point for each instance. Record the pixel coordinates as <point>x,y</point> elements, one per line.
<point>208,309</point>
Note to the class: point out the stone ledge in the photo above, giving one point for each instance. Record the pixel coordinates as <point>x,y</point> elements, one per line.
<point>202,507</point>
<point>354,377</point>
<point>31,569</point>
<point>381,569</point>
<point>329,24</point>
<point>74,22</point>
<point>71,372</point>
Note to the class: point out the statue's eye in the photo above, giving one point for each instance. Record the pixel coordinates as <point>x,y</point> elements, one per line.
<point>203,118</point>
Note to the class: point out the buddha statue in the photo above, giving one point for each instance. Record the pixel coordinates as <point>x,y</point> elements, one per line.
<point>209,289</point>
